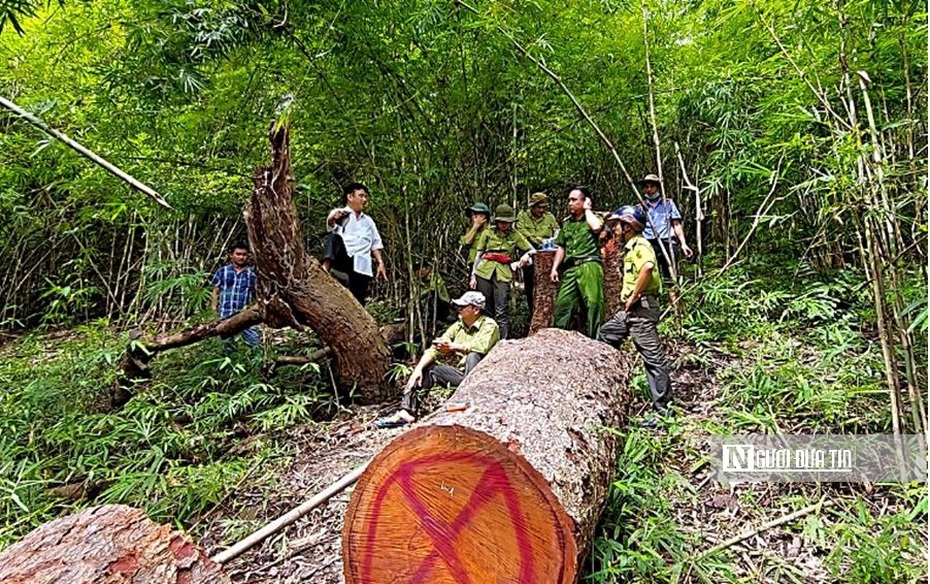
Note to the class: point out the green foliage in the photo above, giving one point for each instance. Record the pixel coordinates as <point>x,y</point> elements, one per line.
<point>175,449</point>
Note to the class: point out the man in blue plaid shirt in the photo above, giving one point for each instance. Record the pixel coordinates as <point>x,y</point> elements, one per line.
<point>233,289</point>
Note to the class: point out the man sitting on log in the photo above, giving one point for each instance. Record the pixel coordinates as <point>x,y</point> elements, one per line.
<point>471,337</point>
<point>352,242</point>
<point>640,312</point>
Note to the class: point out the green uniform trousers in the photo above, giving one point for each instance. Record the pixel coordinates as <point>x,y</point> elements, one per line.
<point>582,287</point>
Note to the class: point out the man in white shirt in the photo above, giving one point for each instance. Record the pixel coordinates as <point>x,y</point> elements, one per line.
<point>353,241</point>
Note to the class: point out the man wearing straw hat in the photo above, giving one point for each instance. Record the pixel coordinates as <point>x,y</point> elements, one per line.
<point>536,224</point>
<point>492,271</point>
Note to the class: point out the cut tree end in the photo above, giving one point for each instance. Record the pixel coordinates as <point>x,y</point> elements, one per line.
<point>449,504</point>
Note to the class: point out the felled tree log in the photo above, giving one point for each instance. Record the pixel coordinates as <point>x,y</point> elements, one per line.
<point>111,544</point>
<point>508,490</point>
<point>293,290</point>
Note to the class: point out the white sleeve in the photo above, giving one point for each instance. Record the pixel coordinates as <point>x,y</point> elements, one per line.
<point>375,237</point>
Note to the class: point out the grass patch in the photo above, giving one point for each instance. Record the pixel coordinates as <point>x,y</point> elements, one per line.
<point>176,449</point>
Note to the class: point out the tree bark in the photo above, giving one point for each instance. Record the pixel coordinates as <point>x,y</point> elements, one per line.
<point>546,290</point>
<point>293,290</point>
<point>111,544</point>
<point>508,490</point>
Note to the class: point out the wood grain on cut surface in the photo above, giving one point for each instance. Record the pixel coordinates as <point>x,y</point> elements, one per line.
<point>508,490</point>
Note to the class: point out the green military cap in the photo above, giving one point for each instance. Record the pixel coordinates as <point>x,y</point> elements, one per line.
<point>504,213</point>
<point>478,208</point>
<point>538,198</point>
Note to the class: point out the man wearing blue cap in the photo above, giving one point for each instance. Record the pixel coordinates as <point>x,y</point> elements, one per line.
<point>640,313</point>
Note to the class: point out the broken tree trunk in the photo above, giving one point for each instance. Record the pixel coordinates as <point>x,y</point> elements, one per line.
<point>508,490</point>
<point>293,290</point>
<point>110,544</point>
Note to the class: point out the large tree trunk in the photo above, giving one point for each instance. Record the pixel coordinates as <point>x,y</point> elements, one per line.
<point>112,544</point>
<point>508,490</point>
<point>293,290</point>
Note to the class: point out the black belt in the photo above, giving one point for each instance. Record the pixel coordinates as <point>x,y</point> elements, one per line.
<point>574,262</point>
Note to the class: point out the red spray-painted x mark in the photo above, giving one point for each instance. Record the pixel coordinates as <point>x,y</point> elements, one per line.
<point>493,481</point>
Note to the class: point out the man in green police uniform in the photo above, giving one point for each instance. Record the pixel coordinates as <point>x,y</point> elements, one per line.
<point>583,279</point>
<point>492,271</point>
<point>535,224</point>
<point>472,337</point>
<point>640,313</point>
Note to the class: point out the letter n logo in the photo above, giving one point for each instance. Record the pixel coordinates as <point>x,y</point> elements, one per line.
<point>738,457</point>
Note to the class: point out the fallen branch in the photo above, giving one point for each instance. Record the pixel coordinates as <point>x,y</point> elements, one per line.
<point>290,517</point>
<point>816,507</point>
<point>85,152</point>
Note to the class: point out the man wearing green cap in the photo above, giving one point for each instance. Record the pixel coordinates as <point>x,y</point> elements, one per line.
<point>480,216</point>
<point>495,261</point>
<point>579,253</point>
<point>535,224</point>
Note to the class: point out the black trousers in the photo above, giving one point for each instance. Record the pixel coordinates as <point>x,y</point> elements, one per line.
<point>441,375</point>
<point>335,252</point>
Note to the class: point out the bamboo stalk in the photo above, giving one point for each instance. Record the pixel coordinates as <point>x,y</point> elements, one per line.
<point>85,152</point>
<point>815,508</point>
<point>290,517</point>
<point>670,257</point>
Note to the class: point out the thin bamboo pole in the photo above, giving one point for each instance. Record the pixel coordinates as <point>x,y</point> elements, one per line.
<point>85,152</point>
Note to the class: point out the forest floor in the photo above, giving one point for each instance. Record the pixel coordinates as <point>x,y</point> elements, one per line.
<point>218,446</point>
<point>702,511</point>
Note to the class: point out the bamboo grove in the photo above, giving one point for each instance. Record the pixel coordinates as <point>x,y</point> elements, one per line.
<point>792,134</point>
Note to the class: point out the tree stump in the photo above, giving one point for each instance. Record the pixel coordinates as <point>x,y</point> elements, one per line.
<point>546,290</point>
<point>613,276</point>
<point>111,544</point>
<point>508,490</point>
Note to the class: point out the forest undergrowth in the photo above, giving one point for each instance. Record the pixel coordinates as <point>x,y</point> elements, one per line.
<point>751,354</point>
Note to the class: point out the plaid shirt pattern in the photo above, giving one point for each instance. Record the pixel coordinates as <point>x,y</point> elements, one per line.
<point>236,289</point>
